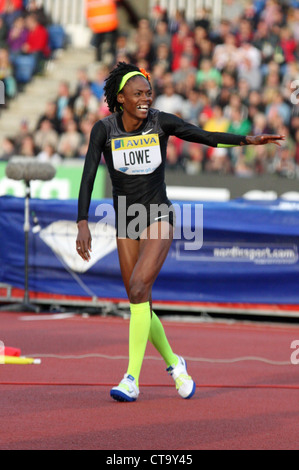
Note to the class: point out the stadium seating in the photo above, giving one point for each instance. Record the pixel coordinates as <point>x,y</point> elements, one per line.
<point>24,67</point>
<point>57,37</point>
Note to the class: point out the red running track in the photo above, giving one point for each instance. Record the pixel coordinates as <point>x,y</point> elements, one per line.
<point>64,404</point>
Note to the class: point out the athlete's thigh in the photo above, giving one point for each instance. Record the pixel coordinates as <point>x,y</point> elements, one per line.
<point>153,252</point>
<point>128,252</point>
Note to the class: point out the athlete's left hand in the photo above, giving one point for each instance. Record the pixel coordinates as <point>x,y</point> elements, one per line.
<point>264,139</point>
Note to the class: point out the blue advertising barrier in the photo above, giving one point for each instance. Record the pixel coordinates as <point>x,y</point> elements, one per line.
<point>247,252</point>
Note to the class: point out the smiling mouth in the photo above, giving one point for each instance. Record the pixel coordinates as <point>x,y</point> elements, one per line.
<point>143,108</point>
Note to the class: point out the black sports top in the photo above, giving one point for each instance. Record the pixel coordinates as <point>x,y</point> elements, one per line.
<point>136,160</point>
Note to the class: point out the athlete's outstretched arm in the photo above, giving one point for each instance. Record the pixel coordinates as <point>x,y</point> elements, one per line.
<point>173,125</point>
<point>92,161</point>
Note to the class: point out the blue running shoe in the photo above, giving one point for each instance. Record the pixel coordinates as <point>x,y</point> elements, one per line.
<point>126,391</point>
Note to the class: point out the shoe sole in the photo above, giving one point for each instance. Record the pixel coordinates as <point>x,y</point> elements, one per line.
<point>192,393</point>
<point>120,396</point>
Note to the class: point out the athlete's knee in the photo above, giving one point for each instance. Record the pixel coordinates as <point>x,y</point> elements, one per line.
<point>139,291</point>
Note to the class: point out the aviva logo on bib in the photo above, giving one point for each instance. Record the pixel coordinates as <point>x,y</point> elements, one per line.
<point>128,143</point>
<point>136,155</point>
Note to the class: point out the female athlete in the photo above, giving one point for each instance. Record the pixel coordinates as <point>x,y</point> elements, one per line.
<point>133,140</point>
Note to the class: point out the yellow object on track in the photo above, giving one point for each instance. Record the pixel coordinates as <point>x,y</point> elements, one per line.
<point>20,360</point>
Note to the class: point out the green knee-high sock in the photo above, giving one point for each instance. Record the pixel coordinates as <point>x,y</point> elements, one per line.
<point>140,324</point>
<point>159,340</point>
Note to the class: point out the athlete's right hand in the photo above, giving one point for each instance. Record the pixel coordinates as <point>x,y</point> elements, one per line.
<point>83,242</point>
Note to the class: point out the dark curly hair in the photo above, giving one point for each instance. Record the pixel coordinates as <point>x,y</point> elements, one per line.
<point>112,84</point>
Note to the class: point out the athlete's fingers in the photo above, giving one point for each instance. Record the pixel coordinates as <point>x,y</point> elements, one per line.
<point>83,249</point>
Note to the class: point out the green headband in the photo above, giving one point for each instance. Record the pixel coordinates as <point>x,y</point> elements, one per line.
<point>127,77</point>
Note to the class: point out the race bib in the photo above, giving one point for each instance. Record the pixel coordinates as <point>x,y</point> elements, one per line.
<point>138,155</point>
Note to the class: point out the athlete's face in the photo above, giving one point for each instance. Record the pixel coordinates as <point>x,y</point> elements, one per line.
<point>136,98</point>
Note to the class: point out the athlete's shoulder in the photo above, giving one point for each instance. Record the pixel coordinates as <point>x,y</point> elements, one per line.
<point>154,112</point>
<point>168,122</point>
<point>98,127</point>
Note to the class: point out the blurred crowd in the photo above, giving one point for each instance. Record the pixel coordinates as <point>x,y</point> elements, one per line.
<point>23,32</point>
<point>237,75</point>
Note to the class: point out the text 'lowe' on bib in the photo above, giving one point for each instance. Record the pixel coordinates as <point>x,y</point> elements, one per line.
<point>137,155</point>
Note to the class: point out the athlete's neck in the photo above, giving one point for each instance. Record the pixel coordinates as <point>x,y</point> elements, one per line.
<point>131,124</point>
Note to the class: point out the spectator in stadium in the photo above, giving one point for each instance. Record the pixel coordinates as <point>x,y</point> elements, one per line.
<point>278,108</point>
<point>293,22</point>
<point>64,98</point>
<point>85,103</point>
<point>272,13</point>
<point>169,101</point>
<point>161,36</point>
<point>181,76</point>
<point>192,106</point>
<point>226,54</point>
<point>288,44</point>
<point>238,125</point>
<point>162,57</point>
<point>143,53</point>
<point>208,73</point>
<point>36,7</point>
<point>37,42</point>
<point>297,150</point>
<point>70,141</point>
<point>244,32</point>
<point>242,168</point>
<point>67,116</point>
<point>17,37</point>
<point>143,32</point>
<point>85,127</point>
<point>27,146</point>
<point>97,85</point>
<point>51,115</point>
<point>3,33</point>
<point>232,10</point>
<point>10,10</point>
<point>260,124</point>
<point>83,81</point>
<point>217,122</point>
<point>48,154</point>
<point>178,43</point>
<point>193,158</point>
<point>235,101</point>
<point>249,65</point>
<point>266,41</point>
<point>18,5</point>
<point>46,135</point>
<point>8,149</point>
<point>284,163</point>
<point>218,162</point>
<point>102,19</point>
<point>6,74</point>
<point>203,18</point>
<point>174,152</point>
<point>22,131</point>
